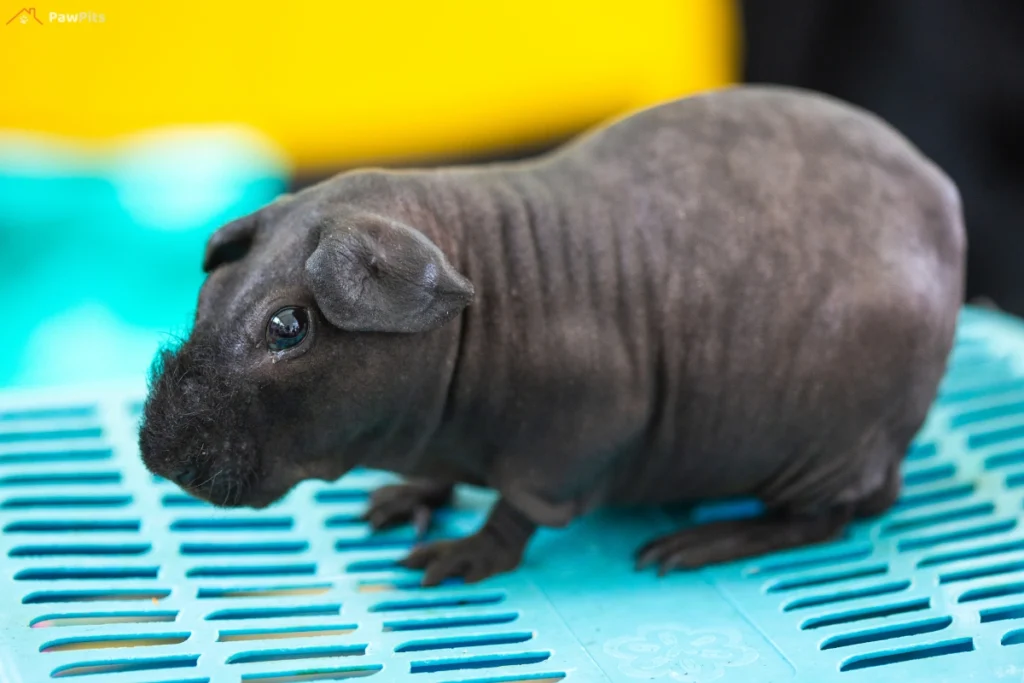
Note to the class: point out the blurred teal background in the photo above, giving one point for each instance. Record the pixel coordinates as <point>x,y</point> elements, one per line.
<point>100,251</point>
<point>126,141</point>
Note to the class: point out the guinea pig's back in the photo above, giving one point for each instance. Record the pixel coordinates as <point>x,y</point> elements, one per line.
<point>811,278</point>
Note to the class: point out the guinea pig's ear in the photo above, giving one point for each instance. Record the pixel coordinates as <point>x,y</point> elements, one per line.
<point>230,243</point>
<point>382,276</point>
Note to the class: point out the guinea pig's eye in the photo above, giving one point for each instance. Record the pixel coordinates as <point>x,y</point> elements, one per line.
<point>287,328</point>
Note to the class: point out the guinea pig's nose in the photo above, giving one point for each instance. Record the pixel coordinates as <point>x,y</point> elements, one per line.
<point>186,476</point>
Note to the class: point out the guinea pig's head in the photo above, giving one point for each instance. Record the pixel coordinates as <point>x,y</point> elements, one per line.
<point>319,344</point>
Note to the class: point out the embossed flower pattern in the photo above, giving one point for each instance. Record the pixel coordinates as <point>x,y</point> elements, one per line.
<point>678,653</point>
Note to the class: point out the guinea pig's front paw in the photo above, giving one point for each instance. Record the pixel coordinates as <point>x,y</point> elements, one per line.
<point>413,501</point>
<point>472,558</point>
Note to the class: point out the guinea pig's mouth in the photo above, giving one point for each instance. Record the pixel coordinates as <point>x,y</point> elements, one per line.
<point>247,488</point>
<point>218,486</point>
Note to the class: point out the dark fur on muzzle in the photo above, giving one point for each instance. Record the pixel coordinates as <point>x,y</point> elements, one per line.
<point>199,425</point>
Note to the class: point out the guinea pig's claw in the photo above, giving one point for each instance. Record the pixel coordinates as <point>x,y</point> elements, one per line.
<point>421,518</point>
<point>381,518</point>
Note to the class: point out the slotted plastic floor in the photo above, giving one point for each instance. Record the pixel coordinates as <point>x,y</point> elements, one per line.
<point>109,575</point>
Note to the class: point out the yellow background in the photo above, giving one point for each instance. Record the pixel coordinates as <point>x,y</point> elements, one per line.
<point>349,82</point>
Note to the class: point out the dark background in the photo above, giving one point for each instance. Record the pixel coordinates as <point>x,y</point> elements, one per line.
<point>948,73</point>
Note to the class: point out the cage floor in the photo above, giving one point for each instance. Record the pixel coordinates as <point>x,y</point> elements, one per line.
<point>110,575</point>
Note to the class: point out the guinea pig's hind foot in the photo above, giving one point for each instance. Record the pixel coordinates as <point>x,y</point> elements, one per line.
<point>716,542</point>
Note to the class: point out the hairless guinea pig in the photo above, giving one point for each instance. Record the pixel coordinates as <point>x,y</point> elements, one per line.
<point>750,292</point>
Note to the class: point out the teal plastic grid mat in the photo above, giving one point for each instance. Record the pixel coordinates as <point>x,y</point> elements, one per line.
<point>110,575</point>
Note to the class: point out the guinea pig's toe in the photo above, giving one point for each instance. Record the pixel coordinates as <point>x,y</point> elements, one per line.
<point>408,502</point>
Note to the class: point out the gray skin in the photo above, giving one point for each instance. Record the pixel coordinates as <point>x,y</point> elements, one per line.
<point>750,292</point>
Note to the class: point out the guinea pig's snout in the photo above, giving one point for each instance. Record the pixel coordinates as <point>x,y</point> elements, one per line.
<point>202,425</point>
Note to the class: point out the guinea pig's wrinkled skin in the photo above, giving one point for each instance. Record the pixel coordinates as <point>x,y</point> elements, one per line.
<point>750,292</point>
